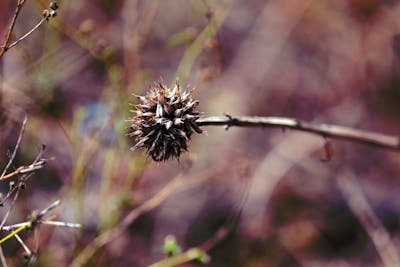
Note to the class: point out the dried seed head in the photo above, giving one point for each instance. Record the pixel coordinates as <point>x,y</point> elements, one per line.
<point>164,121</point>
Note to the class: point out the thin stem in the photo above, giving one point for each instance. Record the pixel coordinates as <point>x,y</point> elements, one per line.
<point>357,201</point>
<point>11,206</point>
<point>24,246</point>
<point>325,130</point>
<point>2,258</point>
<point>51,207</point>
<point>26,34</point>
<point>11,27</point>
<point>61,224</point>
<point>13,226</point>
<point>21,133</point>
<point>24,170</point>
<point>13,233</point>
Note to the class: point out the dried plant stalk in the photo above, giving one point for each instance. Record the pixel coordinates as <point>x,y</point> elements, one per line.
<point>325,130</point>
<point>166,118</point>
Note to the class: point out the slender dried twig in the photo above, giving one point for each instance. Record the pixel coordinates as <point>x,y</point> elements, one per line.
<point>325,130</point>
<point>3,259</point>
<point>29,255</point>
<point>15,232</point>
<point>18,8</point>
<point>46,16</point>
<point>358,203</point>
<point>24,246</point>
<point>18,189</point>
<point>61,224</point>
<point>26,34</point>
<point>14,188</point>
<point>21,133</point>
<point>25,169</point>
<point>26,172</point>
<point>35,219</point>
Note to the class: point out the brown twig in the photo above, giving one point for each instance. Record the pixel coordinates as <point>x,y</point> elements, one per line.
<point>325,130</point>
<point>12,174</point>
<point>46,15</point>
<point>18,8</point>
<point>24,169</point>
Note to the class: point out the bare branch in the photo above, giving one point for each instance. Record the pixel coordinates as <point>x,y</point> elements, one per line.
<point>26,34</point>
<point>47,14</point>
<point>18,8</point>
<point>28,252</point>
<point>13,226</point>
<point>51,207</point>
<point>25,169</point>
<point>61,224</point>
<point>11,206</point>
<point>21,133</point>
<point>325,130</point>
<point>34,219</point>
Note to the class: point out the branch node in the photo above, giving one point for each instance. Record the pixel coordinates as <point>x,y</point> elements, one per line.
<point>231,121</point>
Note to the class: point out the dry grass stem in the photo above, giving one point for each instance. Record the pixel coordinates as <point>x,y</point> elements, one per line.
<point>194,50</point>
<point>2,258</point>
<point>177,184</point>
<point>359,205</point>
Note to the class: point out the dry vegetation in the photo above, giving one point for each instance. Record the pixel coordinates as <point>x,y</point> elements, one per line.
<point>244,197</point>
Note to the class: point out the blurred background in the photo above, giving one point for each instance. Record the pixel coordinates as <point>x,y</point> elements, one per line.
<point>322,61</point>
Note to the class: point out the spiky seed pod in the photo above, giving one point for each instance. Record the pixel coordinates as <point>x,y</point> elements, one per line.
<point>164,121</point>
